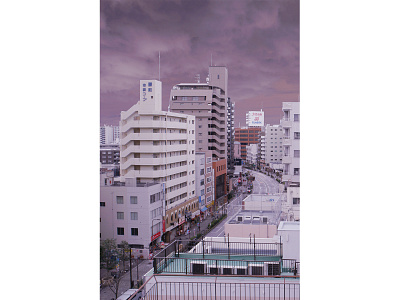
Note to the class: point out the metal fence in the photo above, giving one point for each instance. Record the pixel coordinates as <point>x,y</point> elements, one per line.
<point>233,248</point>
<point>219,290</point>
<point>199,266</point>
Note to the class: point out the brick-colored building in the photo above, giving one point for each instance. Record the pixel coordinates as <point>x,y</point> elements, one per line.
<point>246,136</point>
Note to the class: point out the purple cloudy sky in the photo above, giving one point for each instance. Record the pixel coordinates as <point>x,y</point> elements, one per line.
<point>258,41</point>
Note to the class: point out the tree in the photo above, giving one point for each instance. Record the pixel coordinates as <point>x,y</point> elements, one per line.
<point>108,254</point>
<point>125,252</point>
<point>114,286</point>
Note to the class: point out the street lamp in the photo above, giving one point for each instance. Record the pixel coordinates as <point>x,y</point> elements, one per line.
<point>152,224</point>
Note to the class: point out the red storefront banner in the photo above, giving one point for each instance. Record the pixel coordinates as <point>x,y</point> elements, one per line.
<point>156,236</point>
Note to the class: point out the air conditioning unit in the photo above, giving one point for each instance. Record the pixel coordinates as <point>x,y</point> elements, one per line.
<point>272,268</point>
<point>212,270</point>
<point>241,270</point>
<point>227,270</point>
<point>198,267</point>
<point>256,269</point>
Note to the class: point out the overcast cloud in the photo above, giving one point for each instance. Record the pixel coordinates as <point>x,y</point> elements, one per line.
<point>258,41</point>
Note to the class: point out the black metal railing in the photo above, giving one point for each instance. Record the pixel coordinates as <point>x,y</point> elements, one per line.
<point>199,266</point>
<point>230,248</point>
<point>218,290</point>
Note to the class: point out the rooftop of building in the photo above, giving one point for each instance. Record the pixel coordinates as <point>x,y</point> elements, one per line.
<point>286,225</point>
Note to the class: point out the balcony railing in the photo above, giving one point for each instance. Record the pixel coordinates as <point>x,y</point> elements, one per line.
<point>214,288</point>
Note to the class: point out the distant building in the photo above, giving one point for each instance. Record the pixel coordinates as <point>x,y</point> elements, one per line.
<point>251,151</point>
<point>272,144</point>
<point>230,137</point>
<point>109,135</point>
<point>109,154</point>
<point>237,152</point>
<point>246,136</point>
<point>204,181</point>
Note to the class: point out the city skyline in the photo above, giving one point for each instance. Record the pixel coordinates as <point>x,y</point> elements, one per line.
<point>258,41</point>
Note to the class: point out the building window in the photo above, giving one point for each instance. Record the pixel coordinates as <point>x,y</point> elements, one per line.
<point>134,215</point>
<point>297,135</point>
<point>120,199</point>
<point>102,204</point>
<point>296,117</point>
<point>150,89</point>
<point>120,215</point>
<point>150,84</point>
<point>120,230</point>
<point>296,200</point>
<point>202,172</point>
<point>134,231</point>
<point>296,153</point>
<point>296,171</point>
<point>133,199</point>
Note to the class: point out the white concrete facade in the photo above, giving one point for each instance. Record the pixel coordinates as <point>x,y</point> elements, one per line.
<point>291,143</point>
<point>158,146</point>
<point>109,134</point>
<point>127,213</point>
<point>290,237</point>
<point>204,178</point>
<point>252,153</point>
<point>272,144</point>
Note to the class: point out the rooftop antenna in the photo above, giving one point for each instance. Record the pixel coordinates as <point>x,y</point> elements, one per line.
<point>197,77</point>
<point>159,66</point>
<point>211,59</point>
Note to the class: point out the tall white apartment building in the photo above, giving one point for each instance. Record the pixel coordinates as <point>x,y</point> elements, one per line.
<point>291,143</point>
<point>291,157</point>
<point>109,134</point>
<point>252,153</point>
<point>159,147</point>
<point>273,144</point>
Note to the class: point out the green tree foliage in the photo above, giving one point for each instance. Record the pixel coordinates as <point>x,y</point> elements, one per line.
<point>108,254</point>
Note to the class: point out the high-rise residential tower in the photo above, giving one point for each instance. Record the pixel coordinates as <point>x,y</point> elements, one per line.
<point>208,103</point>
<point>159,147</point>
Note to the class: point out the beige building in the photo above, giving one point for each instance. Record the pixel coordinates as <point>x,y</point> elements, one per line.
<point>207,102</point>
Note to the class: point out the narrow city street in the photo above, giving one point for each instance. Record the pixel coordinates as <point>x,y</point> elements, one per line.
<point>264,184</point>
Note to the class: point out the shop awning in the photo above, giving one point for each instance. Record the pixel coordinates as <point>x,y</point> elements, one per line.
<point>203,209</point>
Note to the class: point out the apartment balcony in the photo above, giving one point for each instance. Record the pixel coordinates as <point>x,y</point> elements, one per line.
<point>286,123</point>
<point>286,160</point>
<point>151,173</point>
<point>153,161</point>
<point>286,141</point>
<point>153,124</point>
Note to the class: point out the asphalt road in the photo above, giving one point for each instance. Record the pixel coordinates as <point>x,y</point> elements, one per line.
<point>263,184</point>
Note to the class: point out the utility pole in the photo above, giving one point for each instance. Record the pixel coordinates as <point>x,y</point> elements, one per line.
<point>130,266</point>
